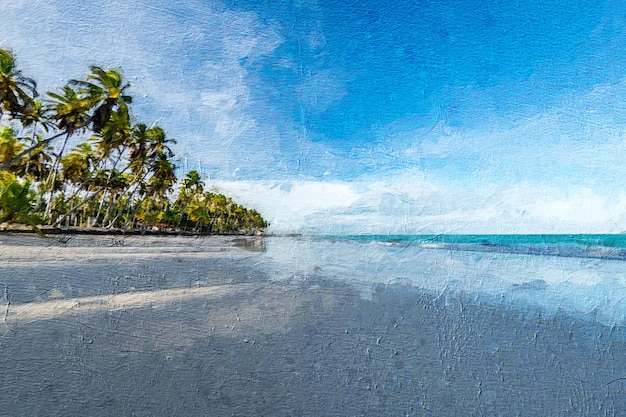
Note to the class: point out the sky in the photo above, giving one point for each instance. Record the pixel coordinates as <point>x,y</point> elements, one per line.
<point>385,117</point>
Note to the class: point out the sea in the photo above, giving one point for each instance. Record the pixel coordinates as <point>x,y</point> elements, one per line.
<point>583,276</point>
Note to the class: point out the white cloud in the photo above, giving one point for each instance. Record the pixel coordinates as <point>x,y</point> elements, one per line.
<point>221,100</point>
<point>287,204</point>
<point>579,141</point>
<point>184,61</point>
<point>403,204</point>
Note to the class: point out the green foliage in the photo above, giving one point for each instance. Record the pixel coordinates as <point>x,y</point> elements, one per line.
<point>215,213</point>
<point>117,174</point>
<point>10,146</point>
<point>17,202</point>
<point>77,166</point>
<point>16,91</point>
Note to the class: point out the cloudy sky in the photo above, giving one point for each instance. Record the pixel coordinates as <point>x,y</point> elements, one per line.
<point>403,116</point>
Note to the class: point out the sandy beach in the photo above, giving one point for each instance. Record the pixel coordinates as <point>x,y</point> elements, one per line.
<point>146,326</point>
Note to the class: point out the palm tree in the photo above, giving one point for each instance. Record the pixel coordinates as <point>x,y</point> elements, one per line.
<point>69,110</point>
<point>127,168</point>
<point>91,105</point>
<point>163,176</point>
<point>110,120</point>
<point>145,145</point>
<point>193,182</point>
<point>192,187</point>
<point>10,146</point>
<point>159,142</point>
<point>197,211</point>
<point>36,118</point>
<point>111,142</point>
<point>114,137</point>
<point>155,190</point>
<point>16,91</point>
<point>78,164</point>
<point>117,184</point>
<point>38,164</point>
<point>16,202</point>
<point>105,91</point>
<point>66,111</point>
<point>34,166</point>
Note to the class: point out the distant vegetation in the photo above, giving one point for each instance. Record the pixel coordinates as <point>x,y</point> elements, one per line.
<point>105,170</point>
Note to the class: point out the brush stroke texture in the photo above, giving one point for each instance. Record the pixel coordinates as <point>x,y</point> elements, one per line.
<point>505,116</point>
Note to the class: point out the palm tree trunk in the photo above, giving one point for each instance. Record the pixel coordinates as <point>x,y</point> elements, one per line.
<point>33,140</point>
<point>131,219</point>
<point>53,175</point>
<point>6,165</point>
<point>108,212</point>
<point>106,188</point>
<point>71,211</point>
<point>137,181</point>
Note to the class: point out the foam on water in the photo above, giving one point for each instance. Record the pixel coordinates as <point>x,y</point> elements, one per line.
<point>574,276</point>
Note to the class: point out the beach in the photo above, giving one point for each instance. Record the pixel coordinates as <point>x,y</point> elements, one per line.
<point>148,325</point>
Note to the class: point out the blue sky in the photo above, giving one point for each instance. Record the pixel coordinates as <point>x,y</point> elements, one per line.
<point>368,116</point>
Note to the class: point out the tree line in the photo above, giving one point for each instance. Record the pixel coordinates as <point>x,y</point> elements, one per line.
<point>77,157</point>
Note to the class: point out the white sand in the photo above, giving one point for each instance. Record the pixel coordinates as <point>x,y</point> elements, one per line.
<point>173,326</point>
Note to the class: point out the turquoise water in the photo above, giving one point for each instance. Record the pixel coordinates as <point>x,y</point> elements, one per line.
<point>606,240</point>
<point>607,246</point>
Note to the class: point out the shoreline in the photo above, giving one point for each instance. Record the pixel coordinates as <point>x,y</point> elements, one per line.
<point>102,231</point>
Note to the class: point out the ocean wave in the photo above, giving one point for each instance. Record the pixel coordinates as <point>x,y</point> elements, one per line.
<point>607,246</point>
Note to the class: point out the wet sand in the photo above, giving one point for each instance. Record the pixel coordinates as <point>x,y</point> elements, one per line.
<point>148,326</point>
